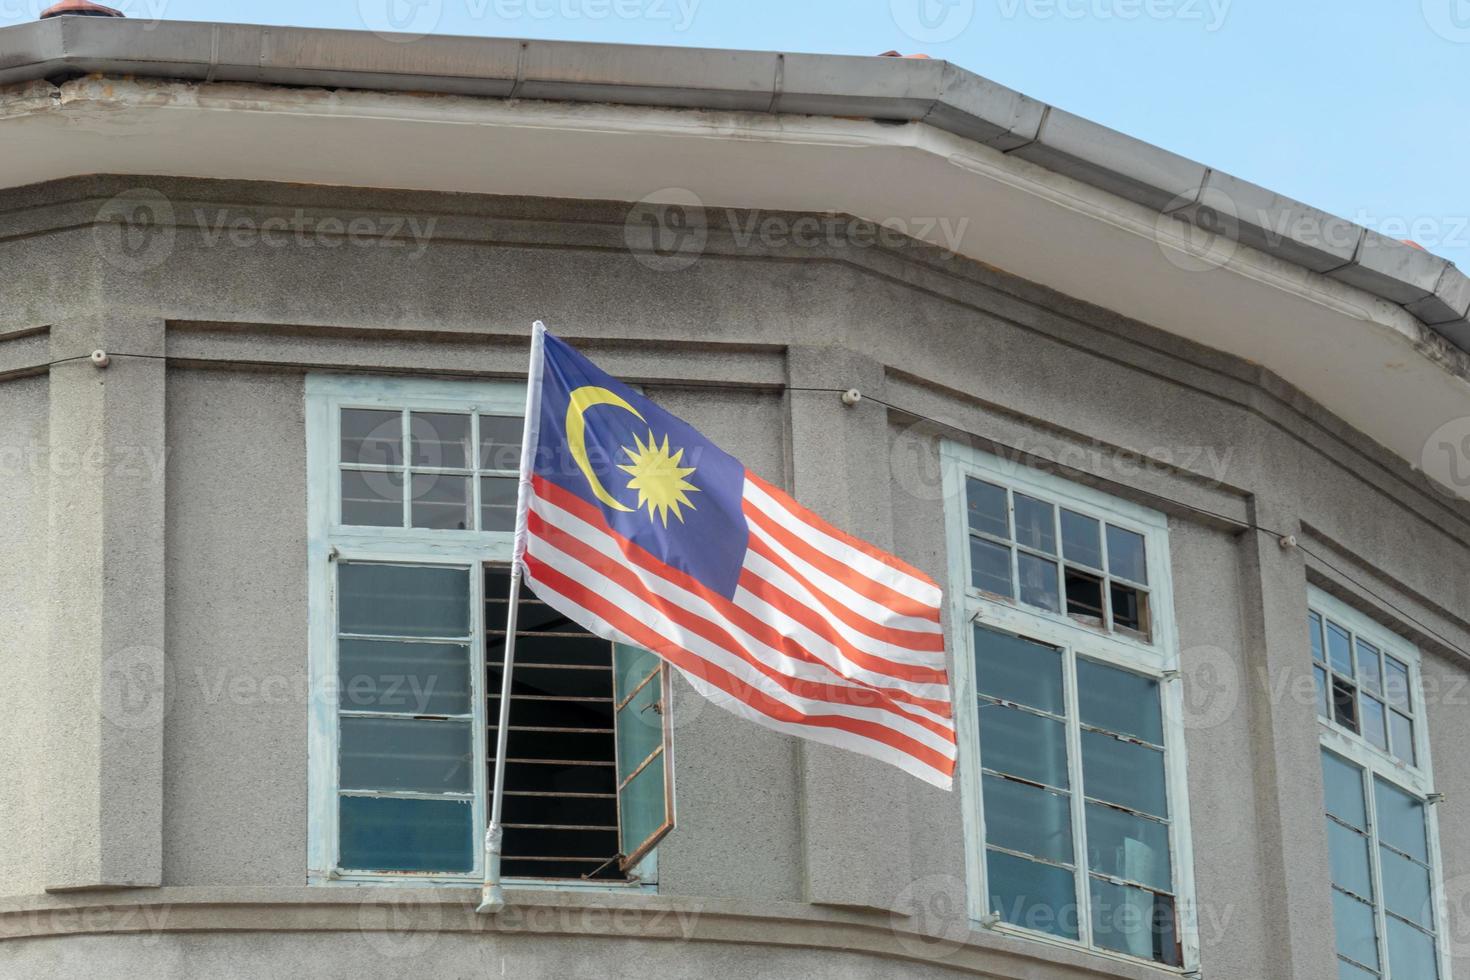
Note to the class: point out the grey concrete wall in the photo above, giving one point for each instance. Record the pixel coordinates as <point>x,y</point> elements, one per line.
<point>997,362</point>
<point>234,773</point>
<point>24,483</point>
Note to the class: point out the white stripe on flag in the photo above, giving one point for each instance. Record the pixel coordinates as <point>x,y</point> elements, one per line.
<point>705,640</point>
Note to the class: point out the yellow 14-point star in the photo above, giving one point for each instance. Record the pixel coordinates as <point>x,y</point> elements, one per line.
<point>658,478</point>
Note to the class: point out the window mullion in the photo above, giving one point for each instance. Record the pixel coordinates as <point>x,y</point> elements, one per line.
<point>472,458</point>
<point>1107,576</point>
<point>480,706</point>
<point>1014,545</point>
<point>407,462</point>
<point>1375,868</point>
<point>1078,797</point>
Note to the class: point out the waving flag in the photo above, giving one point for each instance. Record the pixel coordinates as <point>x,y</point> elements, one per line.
<point>643,531</point>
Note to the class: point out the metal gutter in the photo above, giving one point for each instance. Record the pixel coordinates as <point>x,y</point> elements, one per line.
<point>893,89</point>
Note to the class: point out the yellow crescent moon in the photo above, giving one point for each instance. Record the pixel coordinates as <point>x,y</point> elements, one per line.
<point>582,399</point>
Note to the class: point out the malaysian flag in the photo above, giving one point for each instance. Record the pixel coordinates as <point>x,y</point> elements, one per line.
<point>635,526</point>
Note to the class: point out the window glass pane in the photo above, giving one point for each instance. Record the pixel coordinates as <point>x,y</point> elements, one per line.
<point>1401,821</point>
<point>1032,895</point>
<point>1021,817</point>
<point>498,496</point>
<point>411,678</point>
<point>1396,684</point>
<point>1410,952</point>
<point>640,722</point>
<point>1375,725</point>
<point>1343,785</point>
<point>440,440</point>
<point>643,807</point>
<point>1017,670</point>
<point>1125,846</point>
<point>1345,704</point>
<point>1353,921</point>
<point>372,498</point>
<point>1346,971</point>
<point>990,567</point>
<point>1130,607</point>
<point>500,443</point>
<point>1021,744</point>
<point>403,600</point>
<point>1081,539</point>
<point>406,835</point>
<point>1350,860</point>
<point>1320,676</point>
<point>1126,556</point>
<point>1038,582</point>
<point>1084,595</point>
<point>1314,632</point>
<point>1339,649</point>
<point>406,755</point>
<point>1125,773</point>
<point>1119,701</point>
<point>987,509</point>
<point>1403,738</point>
<point>371,437</point>
<point>1133,921</point>
<point>1368,667</point>
<point>1036,524</point>
<point>441,502</point>
<point>1406,888</point>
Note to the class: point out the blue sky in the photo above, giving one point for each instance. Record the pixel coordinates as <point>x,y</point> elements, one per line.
<point>1359,107</point>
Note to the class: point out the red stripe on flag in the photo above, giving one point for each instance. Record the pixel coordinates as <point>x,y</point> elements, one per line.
<point>806,516</point>
<point>907,639</point>
<point>803,614</point>
<point>601,564</point>
<point>645,637</point>
<point>846,574</point>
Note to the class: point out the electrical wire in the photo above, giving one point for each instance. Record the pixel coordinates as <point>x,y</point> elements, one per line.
<point>1195,508</point>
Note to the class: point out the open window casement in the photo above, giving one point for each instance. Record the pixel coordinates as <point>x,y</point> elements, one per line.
<point>645,761</point>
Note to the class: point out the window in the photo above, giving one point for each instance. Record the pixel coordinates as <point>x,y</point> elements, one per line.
<point>1362,688</point>
<point>1066,695</point>
<point>412,488</point>
<point>1056,558</point>
<point>1381,833</point>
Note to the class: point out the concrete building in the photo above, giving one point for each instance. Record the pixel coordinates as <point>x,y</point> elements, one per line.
<point>1190,459</point>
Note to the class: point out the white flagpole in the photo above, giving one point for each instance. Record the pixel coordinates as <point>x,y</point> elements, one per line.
<point>492,896</point>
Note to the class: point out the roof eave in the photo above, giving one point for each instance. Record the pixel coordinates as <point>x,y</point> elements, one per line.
<point>936,93</point>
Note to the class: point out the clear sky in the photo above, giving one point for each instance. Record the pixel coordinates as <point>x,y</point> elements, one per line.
<point>1359,107</point>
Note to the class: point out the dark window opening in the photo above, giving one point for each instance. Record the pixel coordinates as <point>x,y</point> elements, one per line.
<point>561,803</point>
<point>1084,596</point>
<point>1345,704</point>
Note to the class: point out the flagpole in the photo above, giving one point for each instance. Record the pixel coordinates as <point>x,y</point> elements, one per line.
<point>492,895</point>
